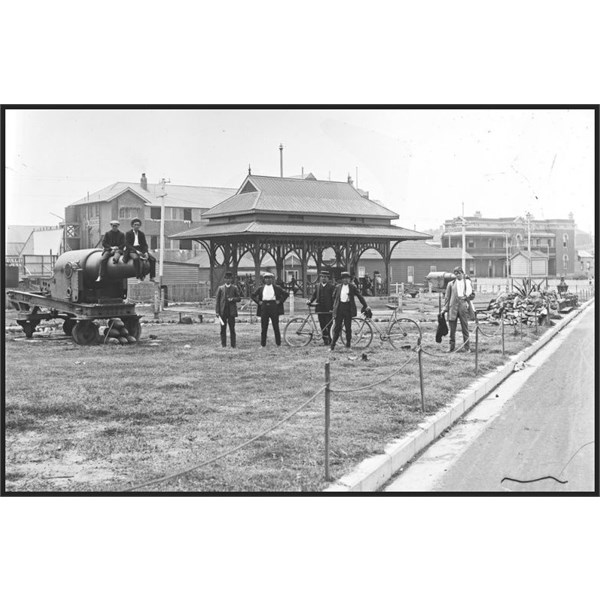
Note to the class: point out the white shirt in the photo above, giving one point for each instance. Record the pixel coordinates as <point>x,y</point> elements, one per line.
<point>345,293</point>
<point>463,287</point>
<point>268,292</point>
<point>136,242</point>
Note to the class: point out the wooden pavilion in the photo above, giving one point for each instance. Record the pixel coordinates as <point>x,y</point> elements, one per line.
<point>279,215</point>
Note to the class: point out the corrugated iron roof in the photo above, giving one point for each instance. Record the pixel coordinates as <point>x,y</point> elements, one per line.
<point>498,233</point>
<point>420,250</point>
<point>186,196</point>
<point>286,194</point>
<point>206,231</point>
<point>534,254</point>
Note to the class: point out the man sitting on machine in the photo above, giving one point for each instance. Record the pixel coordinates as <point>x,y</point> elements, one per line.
<point>113,244</point>
<point>136,247</point>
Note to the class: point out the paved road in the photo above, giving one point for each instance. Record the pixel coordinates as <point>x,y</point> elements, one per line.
<point>540,422</point>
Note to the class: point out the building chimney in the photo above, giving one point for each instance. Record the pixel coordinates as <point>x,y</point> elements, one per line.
<point>350,179</point>
<point>144,182</point>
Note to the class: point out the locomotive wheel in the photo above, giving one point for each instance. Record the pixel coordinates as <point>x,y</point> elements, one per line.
<point>68,325</point>
<point>133,326</point>
<point>85,333</point>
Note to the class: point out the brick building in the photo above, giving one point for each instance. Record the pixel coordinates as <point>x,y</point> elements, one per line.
<point>88,219</point>
<point>491,242</point>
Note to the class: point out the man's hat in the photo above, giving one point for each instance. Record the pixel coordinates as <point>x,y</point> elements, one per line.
<point>345,274</point>
<point>458,270</point>
<point>136,221</point>
<point>267,274</point>
<point>229,274</point>
<point>115,222</point>
<point>326,273</point>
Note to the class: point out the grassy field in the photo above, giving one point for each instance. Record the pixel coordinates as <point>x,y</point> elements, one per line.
<point>102,418</point>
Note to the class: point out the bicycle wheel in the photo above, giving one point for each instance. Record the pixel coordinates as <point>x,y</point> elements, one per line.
<point>362,334</point>
<point>298,332</point>
<point>402,335</point>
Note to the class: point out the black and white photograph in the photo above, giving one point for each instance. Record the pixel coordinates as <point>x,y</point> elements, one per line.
<point>300,300</point>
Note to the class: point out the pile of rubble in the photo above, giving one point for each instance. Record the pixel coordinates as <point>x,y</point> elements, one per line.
<point>536,305</point>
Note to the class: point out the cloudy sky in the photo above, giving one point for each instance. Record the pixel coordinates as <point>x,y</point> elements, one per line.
<point>423,164</point>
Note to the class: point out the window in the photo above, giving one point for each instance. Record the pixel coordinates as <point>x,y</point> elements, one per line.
<point>153,242</point>
<point>565,239</point>
<point>550,243</point>
<point>187,214</point>
<point>410,274</point>
<point>565,261</point>
<point>129,212</point>
<point>432,268</point>
<point>185,244</point>
<point>155,213</point>
<point>470,243</point>
<point>491,244</point>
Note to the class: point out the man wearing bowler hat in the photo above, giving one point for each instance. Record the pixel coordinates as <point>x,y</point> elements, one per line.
<point>113,244</point>
<point>323,296</point>
<point>228,295</point>
<point>344,308</point>
<point>136,248</point>
<point>270,298</point>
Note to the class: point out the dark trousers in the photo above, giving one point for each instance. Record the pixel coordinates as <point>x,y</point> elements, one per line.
<point>138,262</point>
<point>325,323</point>
<point>462,316</point>
<point>269,311</point>
<point>228,320</point>
<point>104,260</point>
<point>343,317</point>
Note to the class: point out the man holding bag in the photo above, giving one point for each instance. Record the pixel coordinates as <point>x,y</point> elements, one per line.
<point>457,305</point>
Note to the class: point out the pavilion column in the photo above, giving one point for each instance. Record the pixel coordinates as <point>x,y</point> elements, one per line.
<point>279,264</point>
<point>387,257</point>
<point>256,256</point>
<point>304,266</point>
<point>213,263</point>
<point>319,259</point>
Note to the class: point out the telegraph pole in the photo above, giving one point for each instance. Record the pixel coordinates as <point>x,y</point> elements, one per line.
<point>281,160</point>
<point>528,216</point>
<point>163,181</point>
<point>464,250</point>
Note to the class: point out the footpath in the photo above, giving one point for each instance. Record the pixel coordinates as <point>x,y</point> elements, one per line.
<point>372,473</point>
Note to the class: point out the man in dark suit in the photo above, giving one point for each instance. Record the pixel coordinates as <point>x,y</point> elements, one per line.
<point>344,308</point>
<point>459,294</point>
<point>323,296</point>
<point>270,299</point>
<point>136,248</point>
<point>113,244</point>
<point>228,295</point>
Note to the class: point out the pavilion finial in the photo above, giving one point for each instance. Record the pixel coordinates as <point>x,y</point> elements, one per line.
<point>249,170</point>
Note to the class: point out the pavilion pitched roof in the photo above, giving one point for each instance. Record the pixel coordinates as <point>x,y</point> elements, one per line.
<point>264,194</point>
<point>312,230</point>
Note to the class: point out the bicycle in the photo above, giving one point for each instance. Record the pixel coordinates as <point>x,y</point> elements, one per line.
<point>300,331</point>
<point>400,337</point>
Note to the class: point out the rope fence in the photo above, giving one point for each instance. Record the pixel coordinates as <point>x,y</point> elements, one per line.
<point>328,389</point>
<point>228,452</point>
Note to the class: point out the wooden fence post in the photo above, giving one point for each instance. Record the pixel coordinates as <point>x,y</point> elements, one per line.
<point>476,348</point>
<point>502,329</point>
<point>420,356</point>
<point>327,417</point>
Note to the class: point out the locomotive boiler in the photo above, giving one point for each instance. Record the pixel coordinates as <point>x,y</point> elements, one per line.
<point>74,295</point>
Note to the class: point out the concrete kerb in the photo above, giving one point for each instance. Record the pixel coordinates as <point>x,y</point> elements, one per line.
<point>373,472</point>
